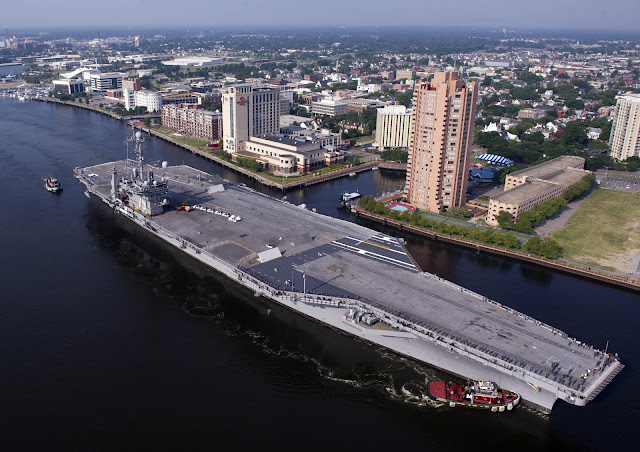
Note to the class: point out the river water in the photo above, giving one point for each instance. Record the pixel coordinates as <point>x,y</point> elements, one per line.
<point>109,338</point>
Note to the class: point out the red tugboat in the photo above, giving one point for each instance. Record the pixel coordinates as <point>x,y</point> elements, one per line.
<point>475,394</point>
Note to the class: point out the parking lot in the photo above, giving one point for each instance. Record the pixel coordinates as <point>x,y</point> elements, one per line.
<point>628,184</point>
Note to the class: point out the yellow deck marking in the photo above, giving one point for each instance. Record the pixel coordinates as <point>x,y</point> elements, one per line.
<point>383,247</point>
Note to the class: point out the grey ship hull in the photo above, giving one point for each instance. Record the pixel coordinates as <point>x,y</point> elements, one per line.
<point>328,269</point>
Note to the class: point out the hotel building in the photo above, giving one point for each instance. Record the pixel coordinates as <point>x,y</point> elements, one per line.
<point>248,111</point>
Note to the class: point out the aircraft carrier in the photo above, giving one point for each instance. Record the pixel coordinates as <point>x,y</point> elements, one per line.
<point>351,278</point>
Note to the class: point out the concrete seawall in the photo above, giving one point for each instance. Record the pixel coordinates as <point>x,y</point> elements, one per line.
<point>630,284</point>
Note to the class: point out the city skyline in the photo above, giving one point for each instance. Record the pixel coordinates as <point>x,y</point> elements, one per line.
<point>573,14</point>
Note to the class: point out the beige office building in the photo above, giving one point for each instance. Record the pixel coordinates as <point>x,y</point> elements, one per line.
<point>393,127</point>
<point>443,117</point>
<point>290,155</point>
<point>625,131</point>
<point>405,74</point>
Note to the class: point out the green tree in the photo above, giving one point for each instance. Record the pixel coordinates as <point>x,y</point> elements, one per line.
<point>369,118</point>
<point>458,212</point>
<point>504,219</point>
<point>353,160</point>
<point>574,134</point>
<point>394,214</point>
<point>450,229</point>
<point>606,131</point>
<point>462,231</point>
<point>352,116</point>
<point>301,111</point>
<point>523,126</point>
<point>532,245</point>
<point>549,248</point>
<point>395,155</point>
<point>510,241</point>
<point>415,217</point>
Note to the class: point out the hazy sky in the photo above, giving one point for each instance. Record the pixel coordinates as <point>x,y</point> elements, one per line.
<point>564,14</point>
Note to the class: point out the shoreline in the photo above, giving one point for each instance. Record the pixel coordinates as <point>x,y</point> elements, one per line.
<point>587,273</point>
<point>517,255</point>
<point>93,108</point>
<point>228,164</point>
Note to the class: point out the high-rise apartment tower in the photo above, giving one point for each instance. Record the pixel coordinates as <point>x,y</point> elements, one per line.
<point>625,130</point>
<point>444,112</point>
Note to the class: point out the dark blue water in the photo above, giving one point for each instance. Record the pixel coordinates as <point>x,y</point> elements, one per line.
<point>111,339</point>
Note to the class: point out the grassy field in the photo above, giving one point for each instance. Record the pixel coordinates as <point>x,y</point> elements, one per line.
<point>199,144</point>
<point>604,231</point>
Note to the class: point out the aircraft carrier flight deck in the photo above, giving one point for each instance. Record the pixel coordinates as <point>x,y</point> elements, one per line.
<point>291,254</point>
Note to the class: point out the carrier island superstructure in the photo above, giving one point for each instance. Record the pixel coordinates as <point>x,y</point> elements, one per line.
<point>351,278</point>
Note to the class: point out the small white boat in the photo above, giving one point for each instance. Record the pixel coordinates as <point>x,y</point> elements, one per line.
<point>352,174</point>
<point>52,185</point>
<point>350,196</point>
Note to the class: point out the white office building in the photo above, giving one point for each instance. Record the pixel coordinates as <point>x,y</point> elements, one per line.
<point>129,98</point>
<point>393,127</point>
<point>625,130</point>
<point>329,107</point>
<point>152,100</point>
<point>101,82</point>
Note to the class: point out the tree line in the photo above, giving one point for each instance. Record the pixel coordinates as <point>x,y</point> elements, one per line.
<point>488,235</point>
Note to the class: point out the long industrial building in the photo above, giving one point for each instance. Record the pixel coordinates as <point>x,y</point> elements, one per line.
<point>529,187</point>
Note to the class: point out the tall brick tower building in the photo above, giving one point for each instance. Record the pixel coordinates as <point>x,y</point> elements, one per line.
<point>444,111</point>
